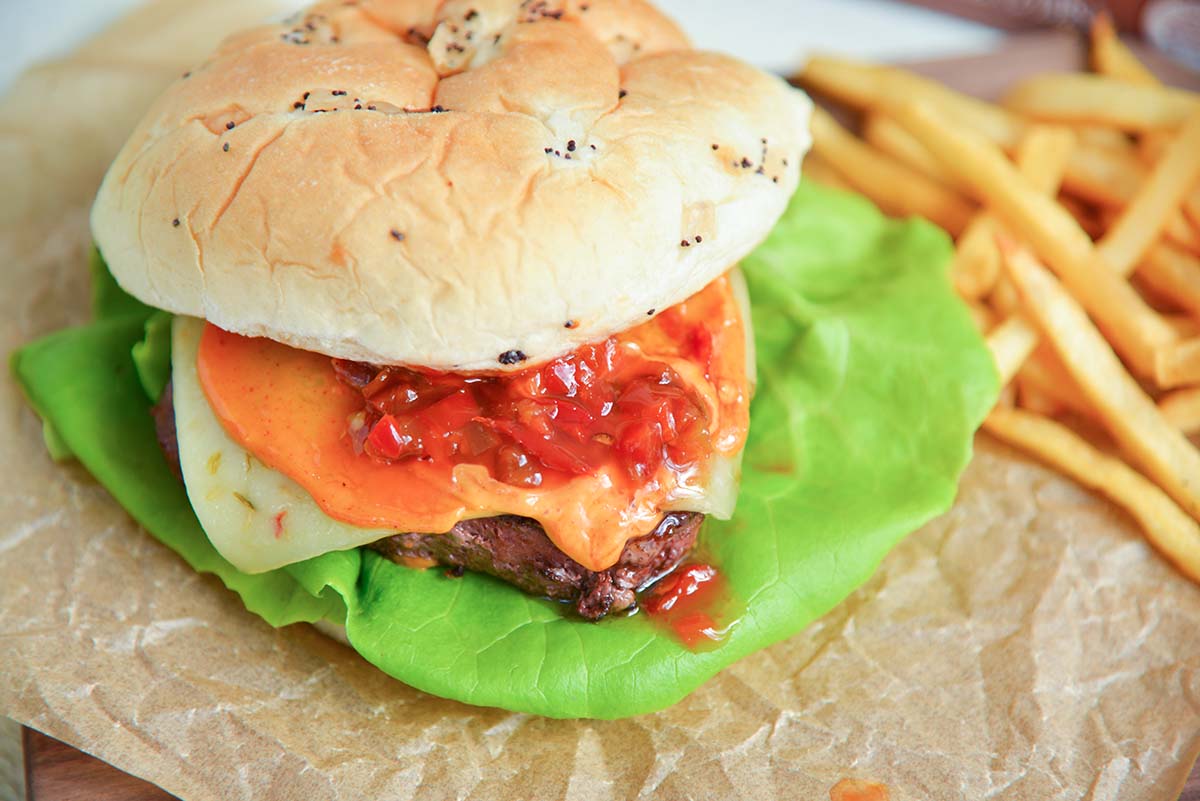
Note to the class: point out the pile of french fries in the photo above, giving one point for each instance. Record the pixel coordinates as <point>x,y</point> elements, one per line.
<point>1075,208</point>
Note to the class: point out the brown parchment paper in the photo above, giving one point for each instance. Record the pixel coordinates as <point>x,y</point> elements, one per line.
<point>1027,645</point>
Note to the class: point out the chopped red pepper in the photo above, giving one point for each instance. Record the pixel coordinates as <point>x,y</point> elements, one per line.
<point>279,523</point>
<point>568,417</point>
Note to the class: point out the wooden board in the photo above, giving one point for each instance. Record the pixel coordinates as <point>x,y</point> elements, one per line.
<point>55,771</point>
<point>58,772</point>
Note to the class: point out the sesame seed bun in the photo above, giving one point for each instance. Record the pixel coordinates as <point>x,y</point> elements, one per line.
<point>456,185</point>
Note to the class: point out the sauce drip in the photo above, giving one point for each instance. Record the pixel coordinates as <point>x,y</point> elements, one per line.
<point>693,602</point>
<point>859,790</point>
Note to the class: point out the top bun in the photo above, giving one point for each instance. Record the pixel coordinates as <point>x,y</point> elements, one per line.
<point>461,185</point>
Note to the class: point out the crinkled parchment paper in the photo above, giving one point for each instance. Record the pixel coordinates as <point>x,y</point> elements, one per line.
<point>1027,645</point>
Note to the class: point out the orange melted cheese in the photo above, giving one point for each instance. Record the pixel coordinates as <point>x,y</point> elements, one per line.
<point>287,407</point>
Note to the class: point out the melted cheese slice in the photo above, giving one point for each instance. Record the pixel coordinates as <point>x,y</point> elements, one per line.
<point>256,517</point>
<point>260,519</point>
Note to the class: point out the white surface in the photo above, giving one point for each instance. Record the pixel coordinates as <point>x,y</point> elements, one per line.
<point>775,34</point>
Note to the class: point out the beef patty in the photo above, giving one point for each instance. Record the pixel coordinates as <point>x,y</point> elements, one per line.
<point>517,550</point>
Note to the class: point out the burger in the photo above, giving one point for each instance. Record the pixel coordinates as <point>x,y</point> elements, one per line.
<point>456,282</point>
<point>423,322</point>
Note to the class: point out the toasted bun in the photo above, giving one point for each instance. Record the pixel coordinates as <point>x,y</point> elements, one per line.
<point>479,184</point>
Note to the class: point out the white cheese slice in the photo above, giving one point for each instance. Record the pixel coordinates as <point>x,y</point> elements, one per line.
<point>255,516</point>
<point>259,519</point>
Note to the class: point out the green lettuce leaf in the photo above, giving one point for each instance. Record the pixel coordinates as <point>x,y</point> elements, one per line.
<point>84,380</point>
<point>872,381</point>
<point>56,446</point>
<point>108,299</point>
<point>152,356</point>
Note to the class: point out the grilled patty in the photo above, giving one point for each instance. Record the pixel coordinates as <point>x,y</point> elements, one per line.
<point>517,550</point>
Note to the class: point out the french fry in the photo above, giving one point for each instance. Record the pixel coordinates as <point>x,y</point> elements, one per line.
<point>1004,297</point>
<point>821,171</point>
<point>1182,409</point>
<point>886,135</point>
<point>1159,196</point>
<point>1110,56</point>
<point>1178,365</point>
<point>1034,398</point>
<point>1097,174</point>
<point>976,263</point>
<point>1098,136</point>
<point>1044,371</point>
<point>1184,325</point>
<point>1174,274</point>
<point>1081,98</point>
<point>1152,146</point>
<point>1090,219</point>
<point>896,188</point>
<point>1191,207</point>
<point>1135,328</point>
<point>1011,342</point>
<point>865,86</point>
<point>1128,413</point>
<point>983,317</point>
<point>1102,176</point>
<point>1107,178</point>
<point>1183,234</point>
<point>1042,156</point>
<point>1165,525</point>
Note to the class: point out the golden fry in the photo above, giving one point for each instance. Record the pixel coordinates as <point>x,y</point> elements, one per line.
<point>1152,146</point>
<point>1090,219</point>
<point>1096,173</point>
<point>1128,413</point>
<point>1159,196</point>
<point>1104,138</point>
<point>976,263</point>
<point>1004,296</point>
<point>1011,342</point>
<point>1191,207</point>
<point>1178,365</point>
<point>1110,56</point>
<point>1103,176</point>
<point>1182,233</point>
<point>1182,409</point>
<point>1134,327</point>
<point>1035,399</point>
<point>871,86</point>
<point>819,170</point>
<point>982,316</point>
<point>1042,157</point>
<point>1165,525</point>
<point>1043,154</point>
<point>1098,100</point>
<point>1044,371</point>
<point>1184,325</point>
<point>1174,274</point>
<point>886,135</point>
<point>897,189</point>
<point>1107,178</point>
